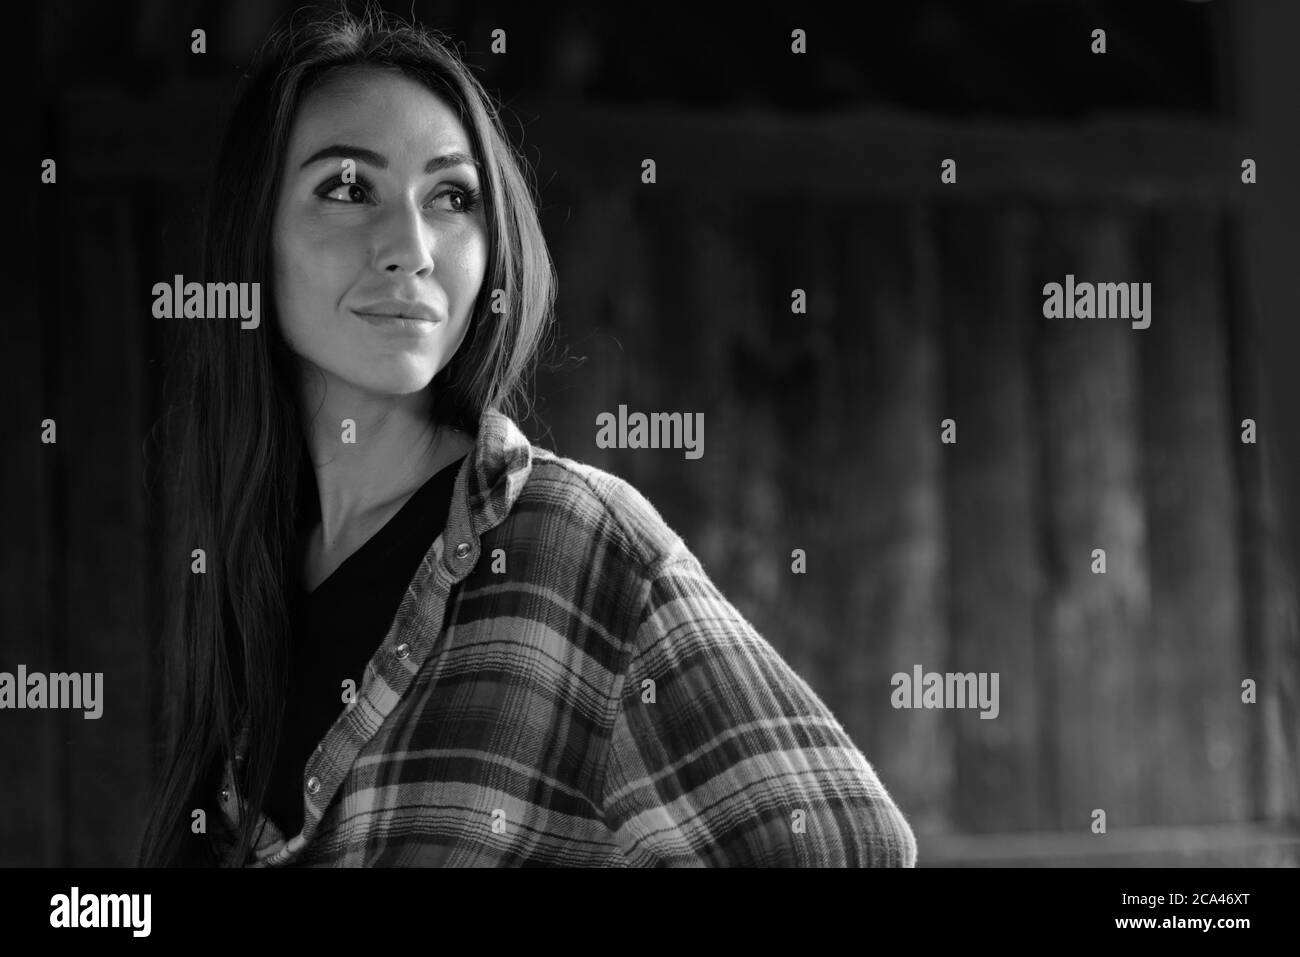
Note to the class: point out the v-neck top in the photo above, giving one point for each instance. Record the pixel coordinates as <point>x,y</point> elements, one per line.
<point>336,628</point>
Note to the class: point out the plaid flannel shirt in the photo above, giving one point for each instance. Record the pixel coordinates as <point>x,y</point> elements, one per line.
<point>563,685</point>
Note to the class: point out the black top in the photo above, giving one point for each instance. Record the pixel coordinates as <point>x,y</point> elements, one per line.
<point>336,629</point>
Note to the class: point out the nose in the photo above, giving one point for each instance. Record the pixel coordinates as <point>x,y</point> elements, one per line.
<point>404,241</point>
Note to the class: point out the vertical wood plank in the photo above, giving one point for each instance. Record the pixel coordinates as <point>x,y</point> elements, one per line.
<point>1267,80</point>
<point>797,241</point>
<point>713,285</point>
<point>1088,393</point>
<point>1279,651</point>
<point>633,312</point>
<point>103,583</point>
<point>1196,769</point>
<point>31,762</point>
<point>583,231</point>
<point>1271,640</point>
<point>995,579</point>
<point>671,303</point>
<point>573,232</point>
<point>888,566</point>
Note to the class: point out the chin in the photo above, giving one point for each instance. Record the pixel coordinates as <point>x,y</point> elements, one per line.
<point>393,374</point>
<point>399,383</point>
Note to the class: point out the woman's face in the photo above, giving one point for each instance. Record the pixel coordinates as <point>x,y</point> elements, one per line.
<point>407,227</point>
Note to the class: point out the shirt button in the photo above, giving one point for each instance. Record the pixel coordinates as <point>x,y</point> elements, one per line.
<point>403,651</point>
<point>313,784</point>
<point>462,549</point>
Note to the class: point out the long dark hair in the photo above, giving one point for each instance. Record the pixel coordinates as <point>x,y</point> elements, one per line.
<point>237,461</point>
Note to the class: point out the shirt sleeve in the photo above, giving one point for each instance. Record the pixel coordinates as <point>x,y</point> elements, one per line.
<point>721,755</point>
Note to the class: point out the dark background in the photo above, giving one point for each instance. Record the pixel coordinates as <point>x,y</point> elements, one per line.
<point>821,172</point>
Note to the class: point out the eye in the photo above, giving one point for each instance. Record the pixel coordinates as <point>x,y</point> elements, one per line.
<point>355,192</point>
<point>468,199</point>
<point>464,199</point>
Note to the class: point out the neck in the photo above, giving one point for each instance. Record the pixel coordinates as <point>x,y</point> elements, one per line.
<point>366,467</point>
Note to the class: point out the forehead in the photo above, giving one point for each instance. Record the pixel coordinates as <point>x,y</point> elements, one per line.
<point>382,110</point>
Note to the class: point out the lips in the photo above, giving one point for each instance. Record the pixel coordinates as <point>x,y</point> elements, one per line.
<point>397,309</point>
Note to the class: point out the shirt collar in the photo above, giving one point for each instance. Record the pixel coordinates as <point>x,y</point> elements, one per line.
<point>486,488</point>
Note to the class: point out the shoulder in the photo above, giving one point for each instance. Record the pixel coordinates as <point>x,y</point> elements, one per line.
<point>599,505</point>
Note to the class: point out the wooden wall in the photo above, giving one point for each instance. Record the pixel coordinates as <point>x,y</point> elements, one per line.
<point>1118,691</point>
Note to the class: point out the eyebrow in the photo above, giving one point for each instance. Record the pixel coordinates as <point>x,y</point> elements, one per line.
<point>343,151</point>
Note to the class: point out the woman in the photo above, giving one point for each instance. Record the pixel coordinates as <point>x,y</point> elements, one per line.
<point>419,639</point>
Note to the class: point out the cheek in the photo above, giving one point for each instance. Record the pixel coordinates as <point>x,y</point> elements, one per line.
<point>313,251</point>
<point>470,268</point>
<point>308,267</point>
